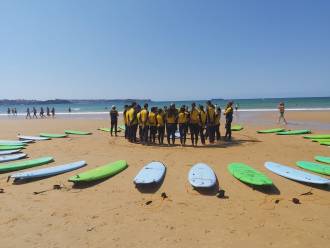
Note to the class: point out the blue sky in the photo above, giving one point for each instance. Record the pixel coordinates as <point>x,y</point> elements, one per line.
<point>164,49</point>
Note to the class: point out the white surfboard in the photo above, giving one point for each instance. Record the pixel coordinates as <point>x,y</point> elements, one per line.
<point>36,138</point>
<point>6,158</point>
<point>202,176</point>
<point>9,152</point>
<point>151,173</point>
<point>294,174</point>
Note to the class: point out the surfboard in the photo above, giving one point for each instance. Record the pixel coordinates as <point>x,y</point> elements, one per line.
<point>32,138</point>
<point>25,164</point>
<point>177,134</point>
<point>101,172</point>
<point>274,130</point>
<point>9,152</point>
<point>318,136</point>
<point>248,175</point>
<point>49,171</point>
<point>6,158</point>
<point>77,132</point>
<point>202,176</point>
<point>150,173</point>
<point>315,167</point>
<point>294,174</point>
<point>104,129</point>
<point>52,135</point>
<point>322,159</point>
<point>11,143</point>
<point>122,127</point>
<point>294,132</point>
<point>237,128</point>
<point>320,140</point>
<point>325,143</point>
<point>5,148</point>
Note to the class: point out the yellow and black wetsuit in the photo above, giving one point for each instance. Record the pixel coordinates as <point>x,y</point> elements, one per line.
<point>152,121</point>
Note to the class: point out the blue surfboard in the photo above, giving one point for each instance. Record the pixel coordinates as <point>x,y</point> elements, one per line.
<point>47,172</point>
<point>12,157</point>
<point>9,152</point>
<point>202,176</point>
<point>151,173</point>
<point>294,174</point>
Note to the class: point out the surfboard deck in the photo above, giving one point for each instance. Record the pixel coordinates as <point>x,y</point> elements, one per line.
<point>49,171</point>
<point>101,172</point>
<point>6,148</point>
<point>33,138</point>
<point>294,132</point>
<point>25,164</point>
<point>202,176</point>
<point>11,143</point>
<point>314,167</point>
<point>322,159</point>
<point>104,129</point>
<point>53,135</point>
<point>248,175</point>
<point>74,132</point>
<point>325,143</point>
<point>274,130</point>
<point>296,175</point>
<point>318,136</point>
<point>11,157</point>
<point>9,152</point>
<point>150,173</point>
<point>237,128</point>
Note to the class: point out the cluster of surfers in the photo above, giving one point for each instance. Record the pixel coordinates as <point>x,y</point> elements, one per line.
<point>203,123</point>
<point>49,112</point>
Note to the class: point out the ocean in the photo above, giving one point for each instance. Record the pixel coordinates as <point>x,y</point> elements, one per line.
<point>102,107</point>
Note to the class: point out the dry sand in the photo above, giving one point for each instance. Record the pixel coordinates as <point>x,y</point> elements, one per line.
<point>113,213</point>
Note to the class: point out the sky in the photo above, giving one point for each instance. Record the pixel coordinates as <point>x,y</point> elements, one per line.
<point>164,49</point>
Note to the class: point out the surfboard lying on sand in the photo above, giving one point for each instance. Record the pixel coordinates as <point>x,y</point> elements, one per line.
<point>202,176</point>
<point>25,164</point>
<point>274,130</point>
<point>294,174</point>
<point>47,172</point>
<point>325,143</point>
<point>248,175</point>
<point>5,148</point>
<point>52,135</point>
<point>315,167</point>
<point>150,173</point>
<point>318,136</point>
<point>11,157</point>
<point>32,138</point>
<point>9,152</point>
<point>294,132</point>
<point>322,159</point>
<point>101,172</point>
<point>11,143</point>
<point>237,128</point>
<point>77,132</point>
<point>320,140</point>
<point>104,129</point>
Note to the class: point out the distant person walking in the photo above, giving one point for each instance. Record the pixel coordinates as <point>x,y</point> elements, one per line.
<point>69,110</point>
<point>281,109</point>
<point>42,112</point>
<point>53,112</point>
<point>229,119</point>
<point>34,113</point>
<point>48,111</point>
<point>113,120</point>
<point>15,111</point>
<point>28,114</point>
<point>8,112</point>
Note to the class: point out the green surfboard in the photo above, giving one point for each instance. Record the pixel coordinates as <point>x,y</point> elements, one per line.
<point>294,132</point>
<point>104,129</point>
<point>318,136</point>
<point>52,135</point>
<point>325,143</point>
<point>248,175</point>
<point>6,148</point>
<point>322,159</point>
<point>315,167</point>
<point>320,140</point>
<point>101,172</point>
<point>77,132</point>
<point>237,128</point>
<point>122,127</point>
<point>274,130</point>
<point>25,164</point>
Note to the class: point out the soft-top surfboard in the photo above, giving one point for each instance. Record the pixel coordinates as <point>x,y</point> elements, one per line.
<point>9,152</point>
<point>248,175</point>
<point>25,164</point>
<point>294,132</point>
<point>99,173</point>
<point>315,167</point>
<point>274,130</point>
<point>11,143</point>
<point>33,138</point>
<point>122,127</point>
<point>322,159</point>
<point>11,157</point>
<point>325,143</point>
<point>320,140</point>
<point>53,135</point>
<point>236,128</point>
<point>150,173</point>
<point>5,148</point>
<point>177,134</point>
<point>104,129</point>
<point>294,174</point>
<point>318,136</point>
<point>202,176</point>
<point>49,171</point>
<point>77,132</point>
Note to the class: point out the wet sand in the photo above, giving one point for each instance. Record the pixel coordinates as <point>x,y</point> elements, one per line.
<point>113,213</point>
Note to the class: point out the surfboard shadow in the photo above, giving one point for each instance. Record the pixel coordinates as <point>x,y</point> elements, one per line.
<point>208,191</point>
<point>325,187</point>
<point>269,189</point>
<point>85,185</point>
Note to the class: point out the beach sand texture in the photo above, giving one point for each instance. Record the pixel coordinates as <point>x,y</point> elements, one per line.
<point>113,213</point>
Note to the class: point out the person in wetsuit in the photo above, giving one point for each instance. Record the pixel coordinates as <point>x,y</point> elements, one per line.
<point>171,123</point>
<point>113,120</point>
<point>194,120</point>
<point>182,121</point>
<point>229,119</point>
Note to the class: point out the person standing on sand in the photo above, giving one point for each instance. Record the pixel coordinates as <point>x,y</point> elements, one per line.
<point>143,119</point>
<point>194,120</point>
<point>53,112</point>
<point>28,114</point>
<point>152,122</point>
<point>281,109</point>
<point>160,126</point>
<point>182,120</point>
<point>229,118</point>
<point>217,123</point>
<point>132,122</point>
<point>125,121</point>
<point>113,119</point>
<point>171,123</point>
<point>210,121</point>
<point>202,123</point>
<point>34,113</point>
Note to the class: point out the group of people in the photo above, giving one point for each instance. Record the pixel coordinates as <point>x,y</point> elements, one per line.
<point>151,125</point>
<point>49,112</point>
<point>11,111</point>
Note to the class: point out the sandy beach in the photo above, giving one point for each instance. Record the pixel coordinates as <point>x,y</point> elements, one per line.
<point>113,213</point>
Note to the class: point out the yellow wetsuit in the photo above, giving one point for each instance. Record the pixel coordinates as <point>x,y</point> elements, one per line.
<point>160,120</point>
<point>194,116</point>
<point>203,118</point>
<point>152,119</point>
<point>182,118</point>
